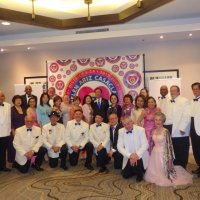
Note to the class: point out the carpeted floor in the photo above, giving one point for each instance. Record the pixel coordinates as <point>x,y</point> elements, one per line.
<point>80,184</point>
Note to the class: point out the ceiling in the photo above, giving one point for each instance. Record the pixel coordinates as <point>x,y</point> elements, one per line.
<point>174,20</point>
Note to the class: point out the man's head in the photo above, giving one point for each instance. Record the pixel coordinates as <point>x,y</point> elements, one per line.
<point>51,92</point>
<point>174,91</point>
<point>163,90</point>
<point>196,89</point>
<point>54,116</point>
<point>78,115</point>
<point>127,123</point>
<point>113,119</point>
<point>29,121</point>
<point>28,89</point>
<point>2,97</point>
<point>98,118</point>
<point>98,93</point>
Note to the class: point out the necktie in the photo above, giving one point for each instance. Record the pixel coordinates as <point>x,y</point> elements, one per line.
<point>98,125</point>
<point>2,104</point>
<point>99,104</point>
<point>76,124</point>
<point>127,132</point>
<point>172,101</point>
<point>29,129</point>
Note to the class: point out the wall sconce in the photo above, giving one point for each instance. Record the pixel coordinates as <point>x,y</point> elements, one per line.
<point>88,2</point>
<point>33,10</point>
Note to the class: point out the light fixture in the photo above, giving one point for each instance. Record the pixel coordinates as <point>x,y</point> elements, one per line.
<point>33,10</point>
<point>2,50</point>
<point>5,23</point>
<point>190,34</point>
<point>28,48</point>
<point>88,2</point>
<point>161,37</point>
<point>139,3</point>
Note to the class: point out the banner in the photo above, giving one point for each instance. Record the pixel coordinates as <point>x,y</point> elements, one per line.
<point>78,77</point>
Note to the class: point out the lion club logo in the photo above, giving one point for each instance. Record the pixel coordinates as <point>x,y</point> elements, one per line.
<point>54,67</point>
<point>133,93</point>
<point>100,62</point>
<point>60,85</point>
<point>52,78</point>
<point>132,79</point>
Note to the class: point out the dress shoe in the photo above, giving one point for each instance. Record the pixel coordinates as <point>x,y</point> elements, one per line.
<point>139,179</point>
<point>38,168</point>
<point>89,166</point>
<point>5,169</point>
<point>103,169</point>
<point>197,171</point>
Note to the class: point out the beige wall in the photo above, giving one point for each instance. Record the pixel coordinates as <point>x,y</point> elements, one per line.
<point>182,55</point>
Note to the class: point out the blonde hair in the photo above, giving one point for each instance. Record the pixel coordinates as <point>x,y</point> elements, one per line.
<point>160,114</point>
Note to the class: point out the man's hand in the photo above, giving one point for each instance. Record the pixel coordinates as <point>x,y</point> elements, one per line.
<point>75,148</point>
<point>29,154</point>
<point>56,149</point>
<point>133,159</point>
<point>182,132</point>
<point>100,147</point>
<point>110,154</point>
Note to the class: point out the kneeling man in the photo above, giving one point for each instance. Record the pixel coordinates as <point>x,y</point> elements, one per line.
<point>53,137</point>
<point>100,137</point>
<point>133,145</point>
<point>28,144</point>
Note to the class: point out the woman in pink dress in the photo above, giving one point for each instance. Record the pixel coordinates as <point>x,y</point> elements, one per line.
<point>31,110</point>
<point>148,116</point>
<point>87,109</point>
<point>161,170</point>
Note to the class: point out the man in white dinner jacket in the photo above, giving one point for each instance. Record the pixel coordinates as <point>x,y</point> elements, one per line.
<point>77,139</point>
<point>5,129</point>
<point>133,145</point>
<point>195,125</point>
<point>178,124</point>
<point>53,138</point>
<point>99,135</point>
<point>28,145</point>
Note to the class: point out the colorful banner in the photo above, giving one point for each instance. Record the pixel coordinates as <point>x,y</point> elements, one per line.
<point>78,77</point>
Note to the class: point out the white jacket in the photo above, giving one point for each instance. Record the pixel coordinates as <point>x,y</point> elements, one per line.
<point>53,136</point>
<point>26,141</point>
<point>139,141</point>
<point>5,120</point>
<point>76,134</point>
<point>100,135</point>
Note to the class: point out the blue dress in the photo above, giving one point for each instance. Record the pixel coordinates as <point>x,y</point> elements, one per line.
<point>43,114</point>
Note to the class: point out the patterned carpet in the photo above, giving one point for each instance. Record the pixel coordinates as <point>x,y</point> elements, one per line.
<point>80,184</point>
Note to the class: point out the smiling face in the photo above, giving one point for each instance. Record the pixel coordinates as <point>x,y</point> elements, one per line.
<point>151,103</point>
<point>32,103</point>
<point>88,100</point>
<point>158,121</point>
<point>53,119</point>
<point>163,91</point>
<point>113,119</point>
<point>128,123</point>
<point>78,115</point>
<point>18,102</point>
<point>140,102</point>
<point>113,100</point>
<point>196,90</point>
<point>98,119</point>
<point>127,101</point>
<point>28,90</point>
<point>66,99</point>
<point>174,91</point>
<point>29,121</point>
<point>98,93</point>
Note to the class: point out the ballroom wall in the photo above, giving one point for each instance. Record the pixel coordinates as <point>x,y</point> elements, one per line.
<point>179,54</point>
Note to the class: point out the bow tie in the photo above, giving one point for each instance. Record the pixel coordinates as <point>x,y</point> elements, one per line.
<point>98,125</point>
<point>163,97</point>
<point>2,104</point>
<point>53,124</point>
<point>172,101</point>
<point>76,124</point>
<point>127,132</point>
<point>29,129</point>
<point>196,99</point>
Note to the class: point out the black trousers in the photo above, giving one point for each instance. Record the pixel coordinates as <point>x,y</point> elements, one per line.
<point>3,149</point>
<point>53,162</point>
<point>102,158</point>
<point>130,171</point>
<point>195,139</point>
<point>38,161</point>
<point>73,157</point>
<point>118,159</point>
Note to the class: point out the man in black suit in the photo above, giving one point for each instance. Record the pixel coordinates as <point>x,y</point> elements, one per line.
<point>27,95</point>
<point>100,105</point>
<point>114,128</point>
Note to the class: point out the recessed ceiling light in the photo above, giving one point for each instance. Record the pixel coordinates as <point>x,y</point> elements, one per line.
<point>190,34</point>
<point>28,48</point>
<point>5,23</point>
<point>161,37</point>
<point>2,50</point>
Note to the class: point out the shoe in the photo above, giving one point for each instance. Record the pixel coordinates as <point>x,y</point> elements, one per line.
<point>89,166</point>
<point>103,169</point>
<point>5,169</point>
<point>65,168</point>
<point>139,179</point>
<point>38,168</point>
<point>197,171</point>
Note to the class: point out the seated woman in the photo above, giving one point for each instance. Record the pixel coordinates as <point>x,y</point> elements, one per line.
<point>161,170</point>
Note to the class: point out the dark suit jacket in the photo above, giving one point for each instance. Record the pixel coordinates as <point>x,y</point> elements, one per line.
<point>24,100</point>
<point>114,142</point>
<point>103,109</point>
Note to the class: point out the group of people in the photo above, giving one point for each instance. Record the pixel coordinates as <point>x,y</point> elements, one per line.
<point>143,139</point>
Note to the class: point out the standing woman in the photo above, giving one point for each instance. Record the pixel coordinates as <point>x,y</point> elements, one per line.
<point>43,110</point>
<point>66,109</point>
<point>31,110</point>
<point>87,109</point>
<point>17,119</point>
<point>145,93</point>
<point>128,105</point>
<point>137,110</point>
<point>114,107</point>
<point>149,124</point>
<point>57,107</point>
